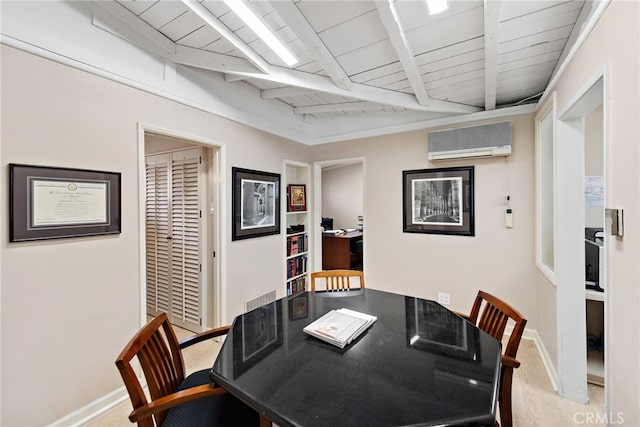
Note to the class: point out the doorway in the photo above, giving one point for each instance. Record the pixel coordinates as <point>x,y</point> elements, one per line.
<point>180,223</point>
<point>339,207</point>
<point>581,165</point>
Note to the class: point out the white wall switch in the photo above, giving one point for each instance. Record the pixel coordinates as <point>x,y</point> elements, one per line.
<point>509,218</point>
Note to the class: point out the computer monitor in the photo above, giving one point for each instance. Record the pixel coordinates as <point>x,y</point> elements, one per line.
<point>592,253</point>
<point>327,223</point>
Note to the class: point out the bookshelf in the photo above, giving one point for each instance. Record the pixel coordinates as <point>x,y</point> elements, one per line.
<point>296,180</point>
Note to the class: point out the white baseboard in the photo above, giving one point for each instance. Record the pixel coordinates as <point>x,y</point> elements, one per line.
<point>532,334</point>
<point>92,410</point>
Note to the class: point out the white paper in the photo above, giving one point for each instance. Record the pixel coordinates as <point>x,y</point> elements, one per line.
<point>340,327</point>
<point>593,191</point>
<point>68,203</point>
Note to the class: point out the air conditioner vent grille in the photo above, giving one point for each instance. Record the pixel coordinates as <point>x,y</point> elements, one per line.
<point>472,139</point>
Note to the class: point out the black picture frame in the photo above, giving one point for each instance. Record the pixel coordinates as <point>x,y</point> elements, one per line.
<point>256,334</point>
<point>255,203</point>
<point>438,201</point>
<point>298,306</point>
<point>53,202</point>
<point>434,329</point>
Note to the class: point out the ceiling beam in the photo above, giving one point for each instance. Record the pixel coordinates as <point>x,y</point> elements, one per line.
<point>335,108</point>
<point>391,22</point>
<point>491,25</point>
<point>236,69</point>
<point>282,92</point>
<point>358,91</point>
<point>292,16</point>
<point>210,19</point>
<point>199,58</point>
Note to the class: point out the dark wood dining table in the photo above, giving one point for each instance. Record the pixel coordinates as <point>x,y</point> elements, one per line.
<point>418,364</point>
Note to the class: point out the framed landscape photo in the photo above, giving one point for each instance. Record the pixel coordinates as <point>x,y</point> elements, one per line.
<point>438,201</point>
<point>53,202</point>
<point>297,198</point>
<point>255,204</point>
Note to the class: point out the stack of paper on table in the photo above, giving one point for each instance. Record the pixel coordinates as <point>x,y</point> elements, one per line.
<point>340,327</point>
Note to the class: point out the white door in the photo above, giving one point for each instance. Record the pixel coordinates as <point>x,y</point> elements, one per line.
<point>173,227</point>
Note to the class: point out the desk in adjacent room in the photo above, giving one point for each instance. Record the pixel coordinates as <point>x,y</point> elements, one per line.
<point>418,364</point>
<point>339,252</point>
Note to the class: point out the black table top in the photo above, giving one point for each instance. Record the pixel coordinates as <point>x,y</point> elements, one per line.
<point>418,364</point>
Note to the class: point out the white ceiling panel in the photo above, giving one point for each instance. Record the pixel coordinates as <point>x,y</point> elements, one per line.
<point>162,12</point>
<point>551,58</point>
<point>534,39</point>
<point>137,6</point>
<point>447,82</point>
<point>468,25</point>
<point>344,37</point>
<point>181,26</point>
<point>200,38</point>
<point>323,15</point>
<point>532,51</point>
<point>375,73</point>
<point>368,57</point>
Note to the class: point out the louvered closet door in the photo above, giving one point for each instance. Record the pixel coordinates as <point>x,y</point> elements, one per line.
<point>158,227</point>
<point>185,243</point>
<point>173,230</point>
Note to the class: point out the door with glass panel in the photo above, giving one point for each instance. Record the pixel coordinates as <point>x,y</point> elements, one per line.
<point>173,227</point>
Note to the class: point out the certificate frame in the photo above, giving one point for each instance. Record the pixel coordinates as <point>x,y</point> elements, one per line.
<point>48,202</point>
<point>296,198</point>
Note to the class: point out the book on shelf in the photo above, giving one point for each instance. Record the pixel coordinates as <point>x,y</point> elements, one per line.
<point>297,244</point>
<point>296,266</point>
<point>340,327</point>
<point>297,285</point>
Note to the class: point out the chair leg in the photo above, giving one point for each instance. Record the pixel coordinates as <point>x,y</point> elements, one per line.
<point>505,398</point>
<point>264,421</point>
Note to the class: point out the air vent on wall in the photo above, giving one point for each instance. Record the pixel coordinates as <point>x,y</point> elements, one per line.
<point>267,298</point>
<point>490,140</point>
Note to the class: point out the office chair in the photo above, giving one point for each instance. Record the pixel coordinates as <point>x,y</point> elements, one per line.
<point>177,400</point>
<point>491,314</point>
<point>337,280</point>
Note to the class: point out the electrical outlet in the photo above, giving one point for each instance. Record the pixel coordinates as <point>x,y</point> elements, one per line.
<point>444,298</point>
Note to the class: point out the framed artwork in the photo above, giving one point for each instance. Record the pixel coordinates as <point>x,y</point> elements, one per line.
<point>255,204</point>
<point>297,198</point>
<point>298,306</point>
<point>52,202</point>
<point>256,334</point>
<point>434,329</point>
<point>438,201</point>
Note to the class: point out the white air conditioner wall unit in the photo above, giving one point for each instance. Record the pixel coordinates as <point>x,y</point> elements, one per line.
<point>492,140</point>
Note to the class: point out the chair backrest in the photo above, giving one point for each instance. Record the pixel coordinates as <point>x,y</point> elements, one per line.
<point>157,350</point>
<point>338,280</point>
<point>491,314</point>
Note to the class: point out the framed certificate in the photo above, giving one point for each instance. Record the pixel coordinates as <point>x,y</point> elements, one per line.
<point>50,202</point>
<point>297,198</point>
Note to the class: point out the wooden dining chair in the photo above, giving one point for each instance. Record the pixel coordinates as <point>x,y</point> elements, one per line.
<point>338,280</point>
<point>491,314</point>
<point>176,400</point>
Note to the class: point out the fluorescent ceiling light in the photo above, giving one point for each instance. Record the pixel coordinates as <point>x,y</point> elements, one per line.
<point>437,6</point>
<point>261,30</point>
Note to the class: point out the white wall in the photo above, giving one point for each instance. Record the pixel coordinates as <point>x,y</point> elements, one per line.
<point>615,44</point>
<point>497,259</point>
<point>70,305</point>
<point>594,161</point>
<point>342,195</point>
